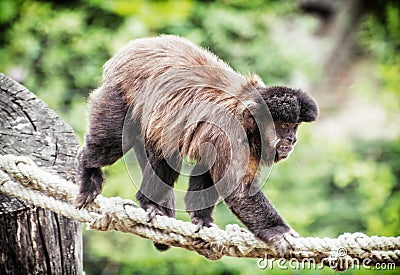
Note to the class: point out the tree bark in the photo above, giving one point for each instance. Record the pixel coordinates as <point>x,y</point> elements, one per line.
<point>34,240</point>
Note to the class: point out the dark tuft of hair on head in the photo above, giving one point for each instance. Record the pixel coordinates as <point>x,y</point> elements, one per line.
<point>290,105</point>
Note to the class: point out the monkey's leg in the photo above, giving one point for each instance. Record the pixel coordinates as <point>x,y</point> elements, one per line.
<point>156,191</point>
<point>201,197</point>
<point>140,152</point>
<point>103,145</point>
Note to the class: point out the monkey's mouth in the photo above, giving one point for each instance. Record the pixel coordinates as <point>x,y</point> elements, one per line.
<point>283,150</point>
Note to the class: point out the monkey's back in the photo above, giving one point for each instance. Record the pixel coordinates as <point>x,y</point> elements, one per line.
<point>174,89</point>
<point>147,58</point>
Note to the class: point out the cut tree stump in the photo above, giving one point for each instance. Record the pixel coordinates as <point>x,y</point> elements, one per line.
<point>34,240</point>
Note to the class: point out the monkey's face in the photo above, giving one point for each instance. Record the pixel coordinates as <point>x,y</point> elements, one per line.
<point>286,134</point>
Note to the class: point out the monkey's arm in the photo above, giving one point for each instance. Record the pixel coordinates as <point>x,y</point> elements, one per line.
<point>258,214</point>
<point>249,204</point>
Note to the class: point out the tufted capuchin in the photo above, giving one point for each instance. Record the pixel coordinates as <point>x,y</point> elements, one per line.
<point>169,99</point>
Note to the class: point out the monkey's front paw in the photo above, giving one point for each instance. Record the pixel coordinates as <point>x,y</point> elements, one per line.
<point>279,238</point>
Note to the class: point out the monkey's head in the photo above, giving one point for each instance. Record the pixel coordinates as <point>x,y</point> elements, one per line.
<point>288,107</point>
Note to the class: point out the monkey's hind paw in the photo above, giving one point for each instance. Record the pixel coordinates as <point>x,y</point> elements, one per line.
<point>161,247</point>
<point>84,198</point>
<point>279,238</point>
<point>152,211</point>
<point>201,222</point>
<point>200,243</point>
<point>91,183</point>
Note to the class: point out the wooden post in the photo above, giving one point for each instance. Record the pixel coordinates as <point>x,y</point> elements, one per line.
<point>34,240</point>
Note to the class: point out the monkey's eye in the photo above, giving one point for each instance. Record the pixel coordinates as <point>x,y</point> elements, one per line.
<point>295,126</point>
<point>284,125</point>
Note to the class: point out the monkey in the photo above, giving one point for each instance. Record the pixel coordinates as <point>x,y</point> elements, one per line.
<point>167,98</point>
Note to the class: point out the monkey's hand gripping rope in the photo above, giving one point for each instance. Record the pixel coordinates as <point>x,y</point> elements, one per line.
<point>21,178</point>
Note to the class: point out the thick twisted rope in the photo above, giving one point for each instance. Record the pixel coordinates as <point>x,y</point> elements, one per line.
<point>21,178</point>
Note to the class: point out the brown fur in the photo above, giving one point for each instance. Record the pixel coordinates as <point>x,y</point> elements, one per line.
<point>136,68</point>
<point>168,98</point>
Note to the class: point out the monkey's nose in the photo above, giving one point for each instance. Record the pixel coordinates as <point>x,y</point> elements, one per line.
<point>291,139</point>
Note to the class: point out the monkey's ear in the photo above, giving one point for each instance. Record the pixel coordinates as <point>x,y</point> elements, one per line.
<point>248,111</point>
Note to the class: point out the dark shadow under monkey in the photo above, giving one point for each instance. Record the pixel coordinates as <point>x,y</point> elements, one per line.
<point>167,98</point>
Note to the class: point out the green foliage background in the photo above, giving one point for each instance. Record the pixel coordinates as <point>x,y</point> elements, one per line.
<point>328,187</point>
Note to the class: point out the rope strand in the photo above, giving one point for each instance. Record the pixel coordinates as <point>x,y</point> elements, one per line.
<point>21,178</point>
